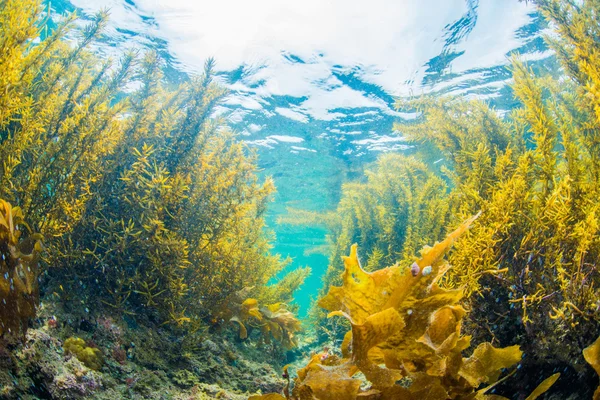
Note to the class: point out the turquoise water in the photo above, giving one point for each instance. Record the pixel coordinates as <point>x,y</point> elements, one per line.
<point>313,86</point>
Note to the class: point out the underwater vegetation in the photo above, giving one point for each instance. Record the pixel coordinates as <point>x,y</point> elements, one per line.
<point>148,204</point>
<point>151,212</point>
<point>398,209</point>
<point>19,269</point>
<point>405,337</point>
<point>273,321</point>
<point>529,266</point>
<point>592,356</point>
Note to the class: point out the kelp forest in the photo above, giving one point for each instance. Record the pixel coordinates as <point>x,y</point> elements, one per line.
<point>136,260</point>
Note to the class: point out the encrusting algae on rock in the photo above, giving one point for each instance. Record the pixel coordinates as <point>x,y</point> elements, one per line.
<point>91,357</point>
<point>405,338</point>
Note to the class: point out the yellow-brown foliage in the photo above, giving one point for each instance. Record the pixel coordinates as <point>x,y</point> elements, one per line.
<point>395,212</point>
<point>269,396</point>
<point>540,219</point>
<point>535,175</point>
<point>405,338</point>
<point>91,357</point>
<point>146,203</point>
<point>19,270</point>
<point>56,122</point>
<point>273,320</point>
<point>280,323</point>
<point>592,356</point>
<point>282,290</point>
<point>400,208</point>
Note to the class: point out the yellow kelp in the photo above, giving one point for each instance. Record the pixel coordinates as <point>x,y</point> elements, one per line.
<point>147,204</point>
<point>19,270</point>
<point>535,175</point>
<point>405,339</point>
<point>592,356</point>
<point>401,207</point>
<point>403,320</point>
<point>273,320</point>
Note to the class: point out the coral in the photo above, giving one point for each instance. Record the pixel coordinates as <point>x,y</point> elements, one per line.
<point>19,270</point>
<point>91,357</point>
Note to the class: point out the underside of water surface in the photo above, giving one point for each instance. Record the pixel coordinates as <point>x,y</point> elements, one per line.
<point>304,201</point>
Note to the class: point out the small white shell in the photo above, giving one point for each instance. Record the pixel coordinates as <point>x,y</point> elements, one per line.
<point>427,270</point>
<point>414,269</point>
